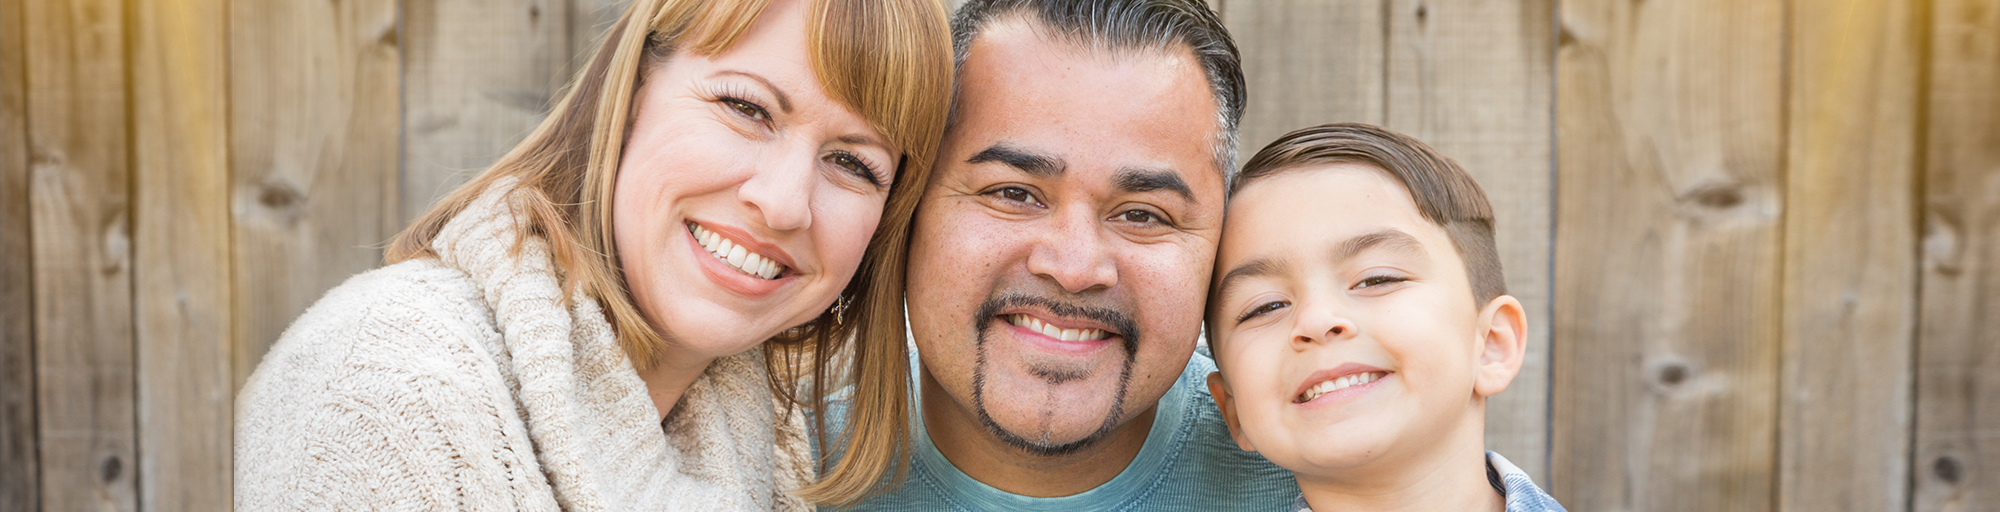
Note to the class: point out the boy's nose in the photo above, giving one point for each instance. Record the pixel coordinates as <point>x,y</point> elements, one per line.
<point>1321,325</point>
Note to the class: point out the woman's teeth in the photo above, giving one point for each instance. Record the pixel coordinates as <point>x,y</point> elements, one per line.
<point>1338,384</point>
<point>735,255</point>
<point>1036,324</point>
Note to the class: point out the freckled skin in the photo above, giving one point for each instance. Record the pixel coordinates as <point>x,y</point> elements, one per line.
<point>1003,411</point>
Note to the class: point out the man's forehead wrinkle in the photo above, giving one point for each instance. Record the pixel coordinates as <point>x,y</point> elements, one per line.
<point>1387,239</point>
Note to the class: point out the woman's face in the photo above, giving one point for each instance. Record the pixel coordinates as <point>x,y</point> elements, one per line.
<point>745,195</point>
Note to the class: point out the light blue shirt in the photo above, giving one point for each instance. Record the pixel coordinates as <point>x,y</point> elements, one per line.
<point>1189,462</point>
<point>1512,483</point>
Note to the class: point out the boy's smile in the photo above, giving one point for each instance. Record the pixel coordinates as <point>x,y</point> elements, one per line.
<point>1345,324</point>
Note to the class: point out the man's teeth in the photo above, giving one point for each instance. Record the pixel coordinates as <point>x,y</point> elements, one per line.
<point>1339,384</point>
<point>735,255</point>
<point>1037,325</point>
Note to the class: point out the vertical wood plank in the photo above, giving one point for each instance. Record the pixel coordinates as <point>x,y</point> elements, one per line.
<point>1850,269</point>
<point>1308,62</point>
<point>20,469</point>
<point>181,182</point>
<point>1472,79</point>
<point>1957,463</point>
<point>478,76</point>
<point>82,253</point>
<point>1670,125</point>
<point>313,144</point>
<point>590,19</point>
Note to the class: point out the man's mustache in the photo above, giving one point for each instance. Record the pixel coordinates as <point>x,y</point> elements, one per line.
<point>1121,323</point>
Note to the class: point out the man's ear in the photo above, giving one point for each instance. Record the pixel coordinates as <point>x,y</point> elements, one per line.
<point>1503,345</point>
<point>1223,400</point>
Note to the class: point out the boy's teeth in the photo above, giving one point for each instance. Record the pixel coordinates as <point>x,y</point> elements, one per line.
<point>735,255</point>
<point>1338,384</point>
<point>1037,325</point>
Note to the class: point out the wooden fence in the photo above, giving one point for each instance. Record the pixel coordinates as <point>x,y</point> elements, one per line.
<point>1759,240</point>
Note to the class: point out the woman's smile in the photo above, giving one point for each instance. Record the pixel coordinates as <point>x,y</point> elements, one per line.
<point>739,263</point>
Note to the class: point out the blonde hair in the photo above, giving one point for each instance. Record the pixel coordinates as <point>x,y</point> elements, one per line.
<point>889,61</point>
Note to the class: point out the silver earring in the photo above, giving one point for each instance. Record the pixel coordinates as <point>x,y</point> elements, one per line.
<point>840,309</point>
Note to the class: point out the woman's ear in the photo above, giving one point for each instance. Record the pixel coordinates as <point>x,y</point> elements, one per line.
<point>1503,345</point>
<point>1220,390</point>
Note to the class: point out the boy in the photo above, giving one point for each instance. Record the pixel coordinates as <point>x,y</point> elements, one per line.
<point>1360,320</point>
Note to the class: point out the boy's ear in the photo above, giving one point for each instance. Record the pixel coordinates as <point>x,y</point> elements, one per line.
<point>1503,345</point>
<point>1224,401</point>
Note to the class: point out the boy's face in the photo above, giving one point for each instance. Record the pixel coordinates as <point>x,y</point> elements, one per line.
<point>1345,324</point>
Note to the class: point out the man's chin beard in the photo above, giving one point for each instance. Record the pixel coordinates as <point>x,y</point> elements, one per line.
<point>1042,445</point>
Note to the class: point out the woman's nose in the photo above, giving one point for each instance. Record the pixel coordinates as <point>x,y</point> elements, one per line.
<point>781,188</point>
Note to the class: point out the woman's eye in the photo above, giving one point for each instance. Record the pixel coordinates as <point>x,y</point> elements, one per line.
<point>1262,309</point>
<point>854,165</point>
<point>747,109</point>
<point>1379,281</point>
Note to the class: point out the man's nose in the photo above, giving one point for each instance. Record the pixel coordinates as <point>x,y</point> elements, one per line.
<point>780,188</point>
<point>1074,253</point>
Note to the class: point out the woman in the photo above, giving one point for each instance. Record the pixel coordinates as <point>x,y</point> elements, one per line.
<point>633,307</point>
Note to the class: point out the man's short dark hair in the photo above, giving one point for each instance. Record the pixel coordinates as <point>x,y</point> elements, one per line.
<point>1444,193</point>
<point>1159,25</point>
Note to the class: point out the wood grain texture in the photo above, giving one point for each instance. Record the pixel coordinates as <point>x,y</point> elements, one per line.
<point>20,469</point>
<point>82,249</point>
<point>1472,79</point>
<point>181,219</point>
<point>313,143</point>
<point>1309,62</point>
<point>478,76</point>
<point>1670,122</point>
<point>1957,462</point>
<point>1850,269</point>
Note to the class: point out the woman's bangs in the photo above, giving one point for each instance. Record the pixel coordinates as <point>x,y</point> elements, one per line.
<point>890,61</point>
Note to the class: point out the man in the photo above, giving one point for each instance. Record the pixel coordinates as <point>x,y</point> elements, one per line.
<point>1060,260</point>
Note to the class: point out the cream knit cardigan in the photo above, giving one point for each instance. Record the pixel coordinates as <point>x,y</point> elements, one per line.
<point>462,382</point>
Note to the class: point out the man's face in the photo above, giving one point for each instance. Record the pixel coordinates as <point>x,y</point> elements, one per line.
<point>1062,249</point>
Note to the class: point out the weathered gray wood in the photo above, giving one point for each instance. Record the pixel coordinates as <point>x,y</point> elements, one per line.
<point>181,218</point>
<point>79,156</point>
<point>20,470</point>
<point>1309,62</point>
<point>1670,121</point>
<point>1850,271</point>
<point>478,75</point>
<point>1957,463</point>
<point>1472,79</point>
<point>313,131</point>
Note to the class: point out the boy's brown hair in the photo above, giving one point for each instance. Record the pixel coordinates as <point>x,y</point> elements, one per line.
<point>1443,192</point>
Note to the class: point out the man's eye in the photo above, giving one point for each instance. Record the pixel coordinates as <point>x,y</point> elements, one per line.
<point>747,109</point>
<point>1139,216</point>
<point>1262,309</point>
<point>1016,194</point>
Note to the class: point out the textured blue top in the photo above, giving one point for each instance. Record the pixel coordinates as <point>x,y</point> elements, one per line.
<point>1189,462</point>
<point>1521,493</point>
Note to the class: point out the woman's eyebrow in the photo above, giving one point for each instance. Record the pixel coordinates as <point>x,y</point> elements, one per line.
<point>784,102</point>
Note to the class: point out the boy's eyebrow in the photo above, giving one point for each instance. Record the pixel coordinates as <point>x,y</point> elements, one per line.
<point>1388,239</point>
<point>1258,267</point>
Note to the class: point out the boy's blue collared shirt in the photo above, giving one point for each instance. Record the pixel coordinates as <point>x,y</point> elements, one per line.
<point>1521,493</point>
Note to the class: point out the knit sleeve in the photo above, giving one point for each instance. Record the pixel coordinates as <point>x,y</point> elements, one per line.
<point>378,398</point>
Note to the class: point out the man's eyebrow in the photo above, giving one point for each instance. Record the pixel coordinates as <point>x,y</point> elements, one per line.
<point>784,102</point>
<point>1258,267</point>
<point>1387,239</point>
<point>1148,179</point>
<point>1041,166</point>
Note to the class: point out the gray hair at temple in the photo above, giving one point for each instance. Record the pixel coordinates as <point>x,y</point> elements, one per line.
<point>1118,25</point>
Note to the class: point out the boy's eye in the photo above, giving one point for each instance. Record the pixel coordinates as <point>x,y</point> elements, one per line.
<point>1379,281</point>
<point>1262,309</point>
